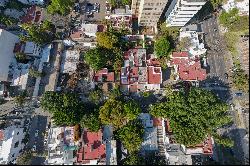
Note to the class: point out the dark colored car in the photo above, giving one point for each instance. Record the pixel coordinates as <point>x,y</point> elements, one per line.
<point>238,94</point>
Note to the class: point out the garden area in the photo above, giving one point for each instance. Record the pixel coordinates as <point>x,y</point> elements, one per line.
<point>236,26</point>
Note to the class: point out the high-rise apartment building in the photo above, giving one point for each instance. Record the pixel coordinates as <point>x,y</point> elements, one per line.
<point>181,11</point>
<point>148,11</point>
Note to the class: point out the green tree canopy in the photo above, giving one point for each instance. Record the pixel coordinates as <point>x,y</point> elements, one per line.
<point>24,158</point>
<point>35,73</point>
<point>131,135</point>
<point>40,34</point>
<point>96,96</point>
<point>126,2</point>
<point>162,47</point>
<point>106,39</point>
<point>21,98</point>
<point>91,122</point>
<point>7,21</point>
<point>216,3</point>
<point>21,57</point>
<point>150,158</point>
<point>99,58</point>
<point>193,114</point>
<point>229,18</point>
<point>118,112</point>
<point>61,7</point>
<point>65,107</point>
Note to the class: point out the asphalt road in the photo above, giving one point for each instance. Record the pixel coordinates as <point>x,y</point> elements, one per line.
<point>216,50</point>
<point>39,122</point>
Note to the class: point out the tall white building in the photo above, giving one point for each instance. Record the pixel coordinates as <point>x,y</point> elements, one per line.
<point>148,11</point>
<point>10,144</point>
<point>181,11</point>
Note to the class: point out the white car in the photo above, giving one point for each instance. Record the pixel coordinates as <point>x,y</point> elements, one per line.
<point>36,133</point>
<point>34,148</point>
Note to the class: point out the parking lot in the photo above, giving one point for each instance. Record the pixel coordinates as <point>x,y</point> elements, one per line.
<point>88,5</point>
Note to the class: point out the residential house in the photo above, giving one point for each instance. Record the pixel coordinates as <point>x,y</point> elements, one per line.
<point>29,48</point>
<point>92,150</point>
<point>140,72</point>
<point>70,59</point>
<point>86,32</point>
<point>204,148</point>
<point>62,145</point>
<point>187,69</point>
<point>33,15</point>
<point>121,18</point>
<point>11,144</point>
<point>196,48</point>
<point>149,143</point>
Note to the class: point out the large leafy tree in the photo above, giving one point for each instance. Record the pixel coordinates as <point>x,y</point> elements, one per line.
<point>131,135</point>
<point>193,114</point>
<point>99,58</point>
<point>40,34</point>
<point>107,39</point>
<point>65,107</point>
<point>151,158</point>
<point>24,158</point>
<point>91,122</point>
<point>229,18</point>
<point>118,112</point>
<point>8,21</point>
<point>126,2</point>
<point>162,47</point>
<point>61,7</point>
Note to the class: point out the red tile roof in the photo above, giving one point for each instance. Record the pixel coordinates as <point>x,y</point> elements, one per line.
<point>92,148</point>
<point>76,34</point>
<point>189,69</point>
<point>153,62</point>
<point>157,121</point>
<point>104,74</point>
<point>179,54</point>
<point>154,75</point>
<point>32,15</point>
<point>18,47</point>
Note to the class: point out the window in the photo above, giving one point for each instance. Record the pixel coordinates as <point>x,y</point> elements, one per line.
<point>148,8</point>
<point>16,144</point>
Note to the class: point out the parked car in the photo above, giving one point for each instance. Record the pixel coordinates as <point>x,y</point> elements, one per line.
<point>36,133</point>
<point>238,94</point>
<point>33,148</point>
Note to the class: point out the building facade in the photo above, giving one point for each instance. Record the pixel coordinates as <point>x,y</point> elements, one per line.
<point>10,144</point>
<point>181,11</point>
<point>7,57</point>
<point>148,11</point>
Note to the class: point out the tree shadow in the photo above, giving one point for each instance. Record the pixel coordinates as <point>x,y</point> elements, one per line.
<point>218,87</point>
<point>239,153</point>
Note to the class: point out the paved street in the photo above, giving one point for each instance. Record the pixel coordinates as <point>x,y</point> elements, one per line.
<point>216,52</point>
<point>39,122</point>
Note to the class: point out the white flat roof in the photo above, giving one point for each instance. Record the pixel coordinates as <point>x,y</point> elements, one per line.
<point>29,47</point>
<point>70,61</point>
